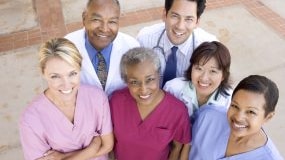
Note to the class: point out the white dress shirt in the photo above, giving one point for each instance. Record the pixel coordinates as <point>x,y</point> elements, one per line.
<point>149,37</point>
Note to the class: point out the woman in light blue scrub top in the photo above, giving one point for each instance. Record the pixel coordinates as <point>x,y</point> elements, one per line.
<point>237,133</point>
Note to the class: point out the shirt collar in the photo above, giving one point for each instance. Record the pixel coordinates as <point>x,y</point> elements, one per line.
<point>184,48</point>
<point>91,50</point>
<point>191,91</point>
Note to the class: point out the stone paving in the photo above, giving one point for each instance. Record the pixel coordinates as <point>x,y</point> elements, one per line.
<point>253,30</point>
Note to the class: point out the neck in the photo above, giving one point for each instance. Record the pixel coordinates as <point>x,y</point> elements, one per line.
<point>67,107</point>
<point>245,138</point>
<point>145,110</point>
<point>202,99</point>
<point>237,145</point>
<point>60,102</point>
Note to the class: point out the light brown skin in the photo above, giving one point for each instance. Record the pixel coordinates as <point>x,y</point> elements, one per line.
<point>246,117</point>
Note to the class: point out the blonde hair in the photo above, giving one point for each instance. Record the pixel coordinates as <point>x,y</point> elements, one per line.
<point>59,48</point>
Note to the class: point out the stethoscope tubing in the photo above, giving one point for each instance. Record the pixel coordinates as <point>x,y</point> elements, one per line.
<point>157,46</point>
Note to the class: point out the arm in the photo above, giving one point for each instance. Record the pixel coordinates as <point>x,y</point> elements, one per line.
<point>107,144</point>
<point>98,147</point>
<point>92,151</point>
<point>33,145</point>
<point>185,151</point>
<point>86,153</point>
<point>183,135</point>
<point>175,150</point>
<point>104,128</point>
<point>82,154</point>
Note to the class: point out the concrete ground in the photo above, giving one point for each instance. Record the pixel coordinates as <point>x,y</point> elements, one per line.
<point>253,30</point>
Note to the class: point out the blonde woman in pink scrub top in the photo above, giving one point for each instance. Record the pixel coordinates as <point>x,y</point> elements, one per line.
<point>68,120</point>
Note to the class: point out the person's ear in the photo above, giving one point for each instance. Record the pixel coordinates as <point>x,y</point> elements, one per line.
<point>164,15</point>
<point>269,116</point>
<point>197,23</point>
<point>83,17</point>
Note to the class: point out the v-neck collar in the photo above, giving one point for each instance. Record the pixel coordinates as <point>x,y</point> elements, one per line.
<point>155,112</point>
<point>54,111</point>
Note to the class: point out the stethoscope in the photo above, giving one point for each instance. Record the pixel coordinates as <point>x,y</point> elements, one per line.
<point>161,50</point>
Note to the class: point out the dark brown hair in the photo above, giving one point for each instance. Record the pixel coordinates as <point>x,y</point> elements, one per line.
<point>262,85</point>
<point>204,53</point>
<point>201,5</point>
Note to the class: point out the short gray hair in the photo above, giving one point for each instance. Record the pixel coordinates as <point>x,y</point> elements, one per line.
<point>138,55</point>
<point>90,2</point>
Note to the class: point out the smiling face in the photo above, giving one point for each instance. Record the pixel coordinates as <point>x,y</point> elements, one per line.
<point>101,22</point>
<point>143,83</point>
<point>62,79</point>
<point>206,78</point>
<point>180,20</point>
<point>246,114</point>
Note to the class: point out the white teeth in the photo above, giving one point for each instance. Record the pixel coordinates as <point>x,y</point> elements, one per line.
<point>102,36</point>
<point>239,126</point>
<point>144,97</point>
<point>66,92</point>
<point>204,84</point>
<point>178,34</point>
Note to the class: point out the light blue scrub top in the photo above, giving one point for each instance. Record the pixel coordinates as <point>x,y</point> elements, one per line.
<point>210,134</point>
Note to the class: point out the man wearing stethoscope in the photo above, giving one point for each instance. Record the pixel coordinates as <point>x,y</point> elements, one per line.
<point>181,18</point>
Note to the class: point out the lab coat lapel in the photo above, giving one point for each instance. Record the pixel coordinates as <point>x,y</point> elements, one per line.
<point>114,67</point>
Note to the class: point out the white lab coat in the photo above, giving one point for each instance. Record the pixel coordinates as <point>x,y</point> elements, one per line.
<point>121,45</point>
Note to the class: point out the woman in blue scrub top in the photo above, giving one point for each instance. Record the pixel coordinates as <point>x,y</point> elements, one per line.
<point>237,133</point>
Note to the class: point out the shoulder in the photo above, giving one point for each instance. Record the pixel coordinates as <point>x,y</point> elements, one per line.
<point>91,89</point>
<point>212,110</point>
<point>211,120</point>
<point>222,99</point>
<point>119,100</point>
<point>150,30</point>
<point>272,150</point>
<point>125,39</point>
<point>175,86</point>
<point>228,91</point>
<point>201,35</point>
<point>91,93</point>
<point>34,109</point>
<point>36,103</point>
<point>75,35</point>
<point>173,107</point>
<point>120,94</point>
<point>176,83</point>
<point>174,103</point>
<point>212,115</point>
<point>227,98</point>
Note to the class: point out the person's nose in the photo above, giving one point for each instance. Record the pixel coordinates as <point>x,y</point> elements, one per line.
<point>104,26</point>
<point>180,24</point>
<point>143,87</point>
<point>239,116</point>
<point>66,82</point>
<point>204,76</point>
